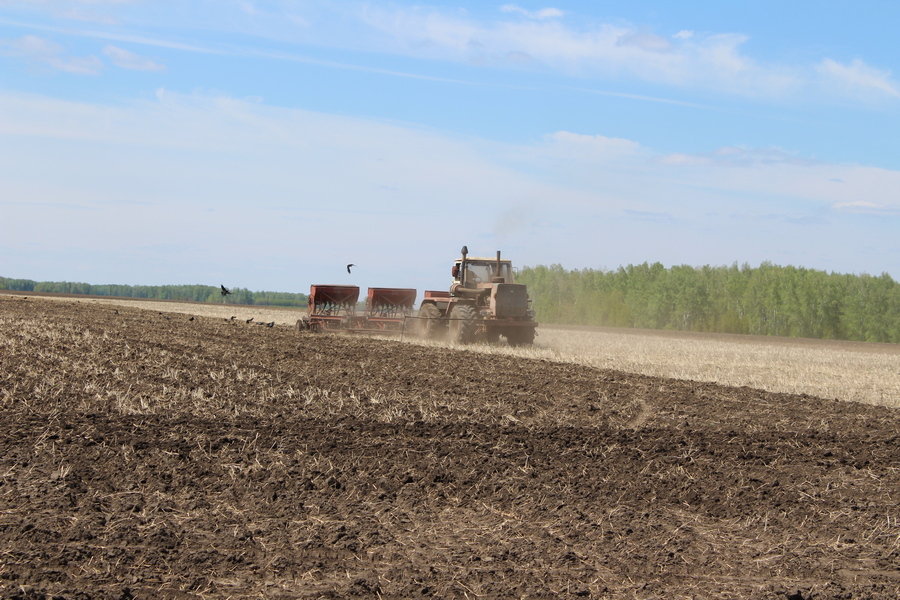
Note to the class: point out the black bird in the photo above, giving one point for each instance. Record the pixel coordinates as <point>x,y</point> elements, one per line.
<point>270,324</point>
<point>225,290</point>
<point>250,320</point>
<point>350,265</point>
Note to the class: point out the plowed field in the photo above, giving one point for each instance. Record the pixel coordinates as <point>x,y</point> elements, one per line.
<point>150,455</point>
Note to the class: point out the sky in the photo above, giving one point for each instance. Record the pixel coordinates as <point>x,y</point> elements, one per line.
<point>266,144</point>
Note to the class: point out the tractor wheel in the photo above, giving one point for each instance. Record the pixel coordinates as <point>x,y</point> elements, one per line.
<point>463,324</point>
<point>520,336</point>
<point>430,325</point>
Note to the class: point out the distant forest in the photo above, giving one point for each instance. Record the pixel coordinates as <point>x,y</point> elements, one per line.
<point>182,293</point>
<point>765,300</point>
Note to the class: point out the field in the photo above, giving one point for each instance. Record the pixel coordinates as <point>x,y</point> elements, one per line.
<point>148,454</point>
<point>861,372</point>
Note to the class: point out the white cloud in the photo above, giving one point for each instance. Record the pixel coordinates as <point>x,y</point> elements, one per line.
<point>543,13</point>
<point>248,8</point>
<point>258,174</point>
<point>861,206</point>
<point>590,147</point>
<point>597,50</point>
<point>684,159</point>
<point>41,52</point>
<point>774,173</point>
<point>129,60</point>
<point>646,41</point>
<point>255,175</point>
<point>858,78</point>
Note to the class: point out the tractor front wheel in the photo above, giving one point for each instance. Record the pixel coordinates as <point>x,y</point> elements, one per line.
<point>430,325</point>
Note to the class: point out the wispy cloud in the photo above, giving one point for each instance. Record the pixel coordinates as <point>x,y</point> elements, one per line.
<point>650,217</point>
<point>129,60</point>
<point>867,207</point>
<point>118,36</point>
<point>95,11</point>
<point>590,168</point>
<point>711,61</point>
<point>43,53</point>
<point>583,147</point>
<point>542,13</point>
<point>859,79</point>
<point>772,173</point>
<point>545,39</point>
<point>599,50</point>
<point>736,156</point>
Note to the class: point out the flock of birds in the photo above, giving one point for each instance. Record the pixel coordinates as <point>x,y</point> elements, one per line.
<point>225,292</point>
<point>250,320</point>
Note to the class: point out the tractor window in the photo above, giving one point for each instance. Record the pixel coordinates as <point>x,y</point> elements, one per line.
<point>484,272</point>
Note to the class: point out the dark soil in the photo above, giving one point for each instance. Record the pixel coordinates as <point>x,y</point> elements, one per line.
<point>152,456</point>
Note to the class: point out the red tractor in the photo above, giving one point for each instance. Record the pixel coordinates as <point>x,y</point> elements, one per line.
<point>483,303</point>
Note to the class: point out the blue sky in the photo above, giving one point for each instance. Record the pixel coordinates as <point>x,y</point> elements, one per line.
<point>265,144</point>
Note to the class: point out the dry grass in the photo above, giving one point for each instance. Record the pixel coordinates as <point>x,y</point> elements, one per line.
<point>851,371</point>
<point>859,372</point>
<point>260,314</point>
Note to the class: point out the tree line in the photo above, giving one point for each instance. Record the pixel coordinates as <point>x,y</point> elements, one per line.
<point>765,300</point>
<point>181,293</point>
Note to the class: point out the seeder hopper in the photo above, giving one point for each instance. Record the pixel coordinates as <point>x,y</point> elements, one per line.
<point>333,308</point>
<point>387,309</point>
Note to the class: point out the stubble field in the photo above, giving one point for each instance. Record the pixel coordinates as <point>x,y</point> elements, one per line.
<point>147,455</point>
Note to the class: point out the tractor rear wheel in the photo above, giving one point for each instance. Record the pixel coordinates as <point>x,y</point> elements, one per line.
<point>430,325</point>
<point>463,324</point>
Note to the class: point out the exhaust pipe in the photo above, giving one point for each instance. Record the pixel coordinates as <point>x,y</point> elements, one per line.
<point>462,266</point>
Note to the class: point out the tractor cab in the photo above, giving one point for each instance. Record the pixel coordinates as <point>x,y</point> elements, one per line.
<point>482,270</point>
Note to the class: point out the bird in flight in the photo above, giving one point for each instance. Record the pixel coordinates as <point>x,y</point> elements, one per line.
<point>225,290</point>
<point>350,265</point>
